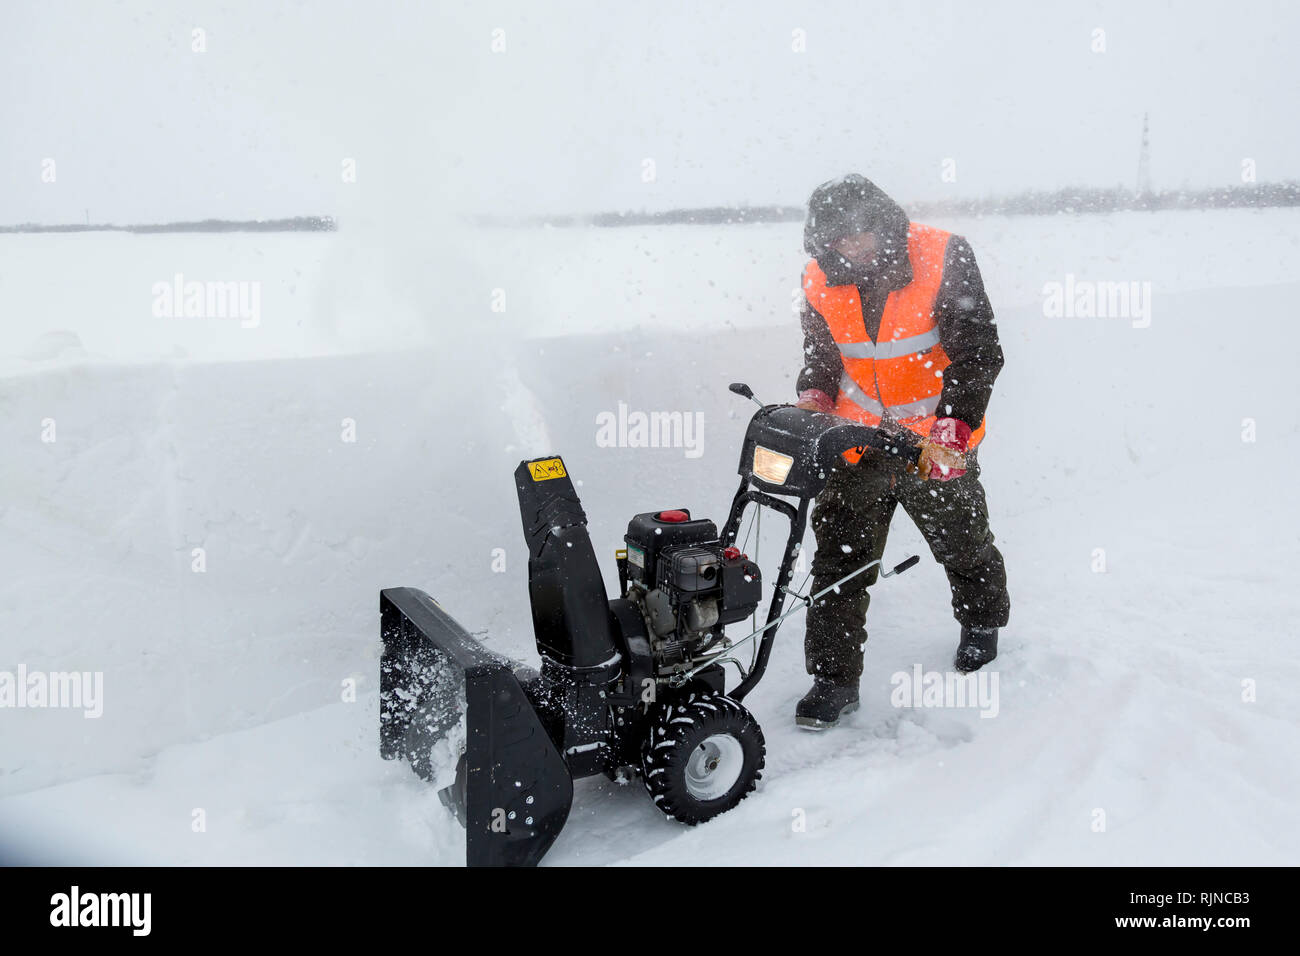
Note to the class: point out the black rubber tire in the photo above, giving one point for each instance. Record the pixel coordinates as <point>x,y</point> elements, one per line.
<point>677,729</point>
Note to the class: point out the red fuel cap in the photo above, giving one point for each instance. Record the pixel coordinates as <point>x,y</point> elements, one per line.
<point>731,554</point>
<point>673,516</point>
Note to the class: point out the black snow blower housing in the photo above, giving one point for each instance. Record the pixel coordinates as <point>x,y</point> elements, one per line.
<point>634,684</point>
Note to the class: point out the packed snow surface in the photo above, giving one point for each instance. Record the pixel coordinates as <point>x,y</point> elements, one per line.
<point>203,510</point>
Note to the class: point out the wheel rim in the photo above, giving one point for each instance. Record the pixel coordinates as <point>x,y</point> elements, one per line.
<point>714,767</point>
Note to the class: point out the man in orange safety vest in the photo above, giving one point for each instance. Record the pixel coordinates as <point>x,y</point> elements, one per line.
<point>899,334</point>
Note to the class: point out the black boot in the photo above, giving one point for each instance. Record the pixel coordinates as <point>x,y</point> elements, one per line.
<point>824,705</point>
<point>978,646</point>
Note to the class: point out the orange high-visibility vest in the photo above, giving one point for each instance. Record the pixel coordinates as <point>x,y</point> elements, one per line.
<point>900,375</point>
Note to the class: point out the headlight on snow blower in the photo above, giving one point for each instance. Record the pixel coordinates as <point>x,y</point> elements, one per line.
<point>772,466</point>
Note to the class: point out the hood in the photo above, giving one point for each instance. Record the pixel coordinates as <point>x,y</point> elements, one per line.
<point>847,205</point>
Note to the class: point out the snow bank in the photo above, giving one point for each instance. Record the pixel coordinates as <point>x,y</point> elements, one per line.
<point>364,434</point>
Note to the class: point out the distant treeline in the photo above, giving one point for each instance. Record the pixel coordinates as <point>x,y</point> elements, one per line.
<point>1072,199</point>
<point>295,224</point>
<point>1087,200</point>
<point>1068,200</point>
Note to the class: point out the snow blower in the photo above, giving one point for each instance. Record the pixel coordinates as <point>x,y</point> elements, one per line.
<point>636,684</point>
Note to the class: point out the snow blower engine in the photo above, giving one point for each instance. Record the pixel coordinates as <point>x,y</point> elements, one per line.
<point>636,684</point>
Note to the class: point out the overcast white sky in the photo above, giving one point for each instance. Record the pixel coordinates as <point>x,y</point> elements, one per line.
<point>143,129</point>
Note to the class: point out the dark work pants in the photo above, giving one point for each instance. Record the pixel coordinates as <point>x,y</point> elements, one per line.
<point>851,521</point>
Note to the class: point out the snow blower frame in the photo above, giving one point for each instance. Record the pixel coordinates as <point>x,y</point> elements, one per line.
<point>637,682</point>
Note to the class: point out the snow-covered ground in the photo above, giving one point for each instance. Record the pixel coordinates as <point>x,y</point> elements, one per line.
<point>1160,691</point>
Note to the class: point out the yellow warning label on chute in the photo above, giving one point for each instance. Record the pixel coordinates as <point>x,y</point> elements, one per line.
<point>546,470</point>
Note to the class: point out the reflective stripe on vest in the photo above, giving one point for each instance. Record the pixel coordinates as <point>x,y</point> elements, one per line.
<point>849,389</point>
<point>891,349</point>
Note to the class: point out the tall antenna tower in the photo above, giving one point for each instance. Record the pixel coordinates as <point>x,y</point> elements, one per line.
<point>1144,160</point>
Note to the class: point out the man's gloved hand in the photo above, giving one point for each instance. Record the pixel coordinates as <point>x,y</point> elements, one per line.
<point>815,400</point>
<point>943,454</point>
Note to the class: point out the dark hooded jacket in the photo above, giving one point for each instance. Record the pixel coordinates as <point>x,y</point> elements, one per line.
<point>965,318</point>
